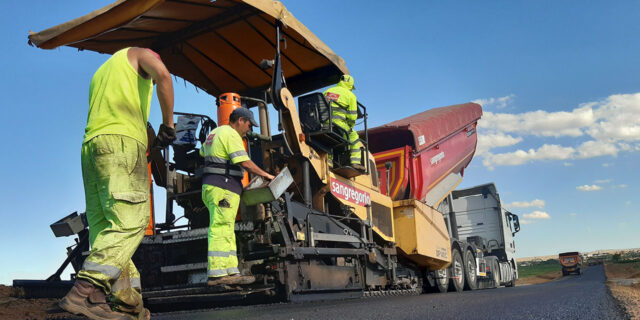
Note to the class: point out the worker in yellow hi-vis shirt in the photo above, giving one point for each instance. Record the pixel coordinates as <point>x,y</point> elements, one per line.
<point>225,159</point>
<point>116,181</point>
<point>345,114</point>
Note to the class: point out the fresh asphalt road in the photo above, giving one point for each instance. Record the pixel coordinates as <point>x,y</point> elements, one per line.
<point>572,297</point>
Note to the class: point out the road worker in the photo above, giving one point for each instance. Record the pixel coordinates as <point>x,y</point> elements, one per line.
<point>225,159</point>
<point>116,181</point>
<point>344,115</point>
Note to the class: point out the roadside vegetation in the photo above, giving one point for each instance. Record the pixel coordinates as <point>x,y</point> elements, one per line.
<point>536,272</point>
<point>538,268</point>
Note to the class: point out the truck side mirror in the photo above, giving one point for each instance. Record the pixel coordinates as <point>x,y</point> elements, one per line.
<point>516,223</point>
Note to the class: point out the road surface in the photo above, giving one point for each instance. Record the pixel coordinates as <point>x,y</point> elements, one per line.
<point>571,297</point>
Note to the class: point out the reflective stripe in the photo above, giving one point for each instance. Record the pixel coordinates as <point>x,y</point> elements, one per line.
<point>351,112</point>
<point>339,117</point>
<point>217,273</point>
<point>353,159</point>
<point>110,271</point>
<point>355,143</point>
<point>233,270</point>
<point>215,159</point>
<point>221,171</point>
<point>122,284</point>
<point>238,154</point>
<point>222,254</point>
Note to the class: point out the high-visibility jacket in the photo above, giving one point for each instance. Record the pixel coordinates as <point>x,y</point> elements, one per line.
<point>344,103</point>
<point>223,151</point>
<point>119,100</point>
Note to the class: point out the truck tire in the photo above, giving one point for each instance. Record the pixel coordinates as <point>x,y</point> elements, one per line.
<point>471,280</point>
<point>442,280</point>
<point>495,273</point>
<point>512,283</point>
<point>456,271</point>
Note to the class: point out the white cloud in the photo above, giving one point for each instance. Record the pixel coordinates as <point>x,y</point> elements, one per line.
<point>537,215</point>
<point>523,204</point>
<point>610,126</point>
<point>586,187</point>
<point>603,181</point>
<point>524,221</point>
<point>518,157</point>
<point>500,103</point>
<point>568,164</point>
<point>573,214</point>
<point>590,149</point>
<point>540,122</point>
<point>494,140</point>
<point>619,114</point>
<point>621,186</point>
<point>607,164</point>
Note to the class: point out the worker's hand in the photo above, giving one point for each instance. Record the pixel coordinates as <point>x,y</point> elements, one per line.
<point>269,177</point>
<point>165,136</point>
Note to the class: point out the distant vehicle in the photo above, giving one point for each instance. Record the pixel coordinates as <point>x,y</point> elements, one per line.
<point>571,263</point>
<point>594,261</point>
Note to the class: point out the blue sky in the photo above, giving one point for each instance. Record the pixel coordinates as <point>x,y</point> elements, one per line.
<point>558,81</point>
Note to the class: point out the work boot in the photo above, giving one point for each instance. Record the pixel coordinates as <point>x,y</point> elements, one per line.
<point>87,300</point>
<point>358,167</point>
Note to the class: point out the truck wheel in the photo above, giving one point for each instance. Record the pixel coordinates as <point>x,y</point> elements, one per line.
<point>442,280</point>
<point>495,273</point>
<point>471,282</point>
<point>456,271</point>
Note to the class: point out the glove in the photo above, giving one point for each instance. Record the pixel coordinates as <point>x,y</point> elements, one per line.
<point>165,136</point>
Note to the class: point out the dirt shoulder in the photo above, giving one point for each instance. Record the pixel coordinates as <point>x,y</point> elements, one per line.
<point>624,282</point>
<point>540,278</point>
<point>29,309</point>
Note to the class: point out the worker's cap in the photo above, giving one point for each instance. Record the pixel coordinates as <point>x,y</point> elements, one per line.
<point>348,80</point>
<point>245,113</point>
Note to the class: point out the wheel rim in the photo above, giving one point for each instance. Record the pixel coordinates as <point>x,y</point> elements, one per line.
<point>471,270</point>
<point>457,270</point>
<point>442,276</point>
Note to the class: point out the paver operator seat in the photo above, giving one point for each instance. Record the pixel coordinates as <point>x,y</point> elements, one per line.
<point>315,117</point>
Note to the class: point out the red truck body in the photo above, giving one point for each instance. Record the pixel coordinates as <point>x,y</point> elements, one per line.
<point>571,263</point>
<point>424,149</point>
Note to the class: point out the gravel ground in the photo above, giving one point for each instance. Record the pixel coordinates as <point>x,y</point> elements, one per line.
<point>624,282</point>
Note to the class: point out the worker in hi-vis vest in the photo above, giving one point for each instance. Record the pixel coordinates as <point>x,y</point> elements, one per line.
<point>344,115</point>
<point>116,181</point>
<point>225,159</point>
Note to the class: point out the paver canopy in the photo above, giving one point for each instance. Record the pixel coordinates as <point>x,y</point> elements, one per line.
<point>216,45</point>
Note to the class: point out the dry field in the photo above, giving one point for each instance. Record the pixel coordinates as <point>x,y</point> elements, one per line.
<point>624,282</point>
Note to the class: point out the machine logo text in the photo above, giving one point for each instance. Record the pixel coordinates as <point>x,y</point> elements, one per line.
<point>349,193</point>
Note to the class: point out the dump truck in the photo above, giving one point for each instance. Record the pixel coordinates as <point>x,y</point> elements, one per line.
<point>321,229</point>
<point>423,157</point>
<point>477,220</point>
<point>571,263</point>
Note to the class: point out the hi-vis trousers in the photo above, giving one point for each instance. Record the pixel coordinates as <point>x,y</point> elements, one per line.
<point>116,185</point>
<point>223,208</point>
